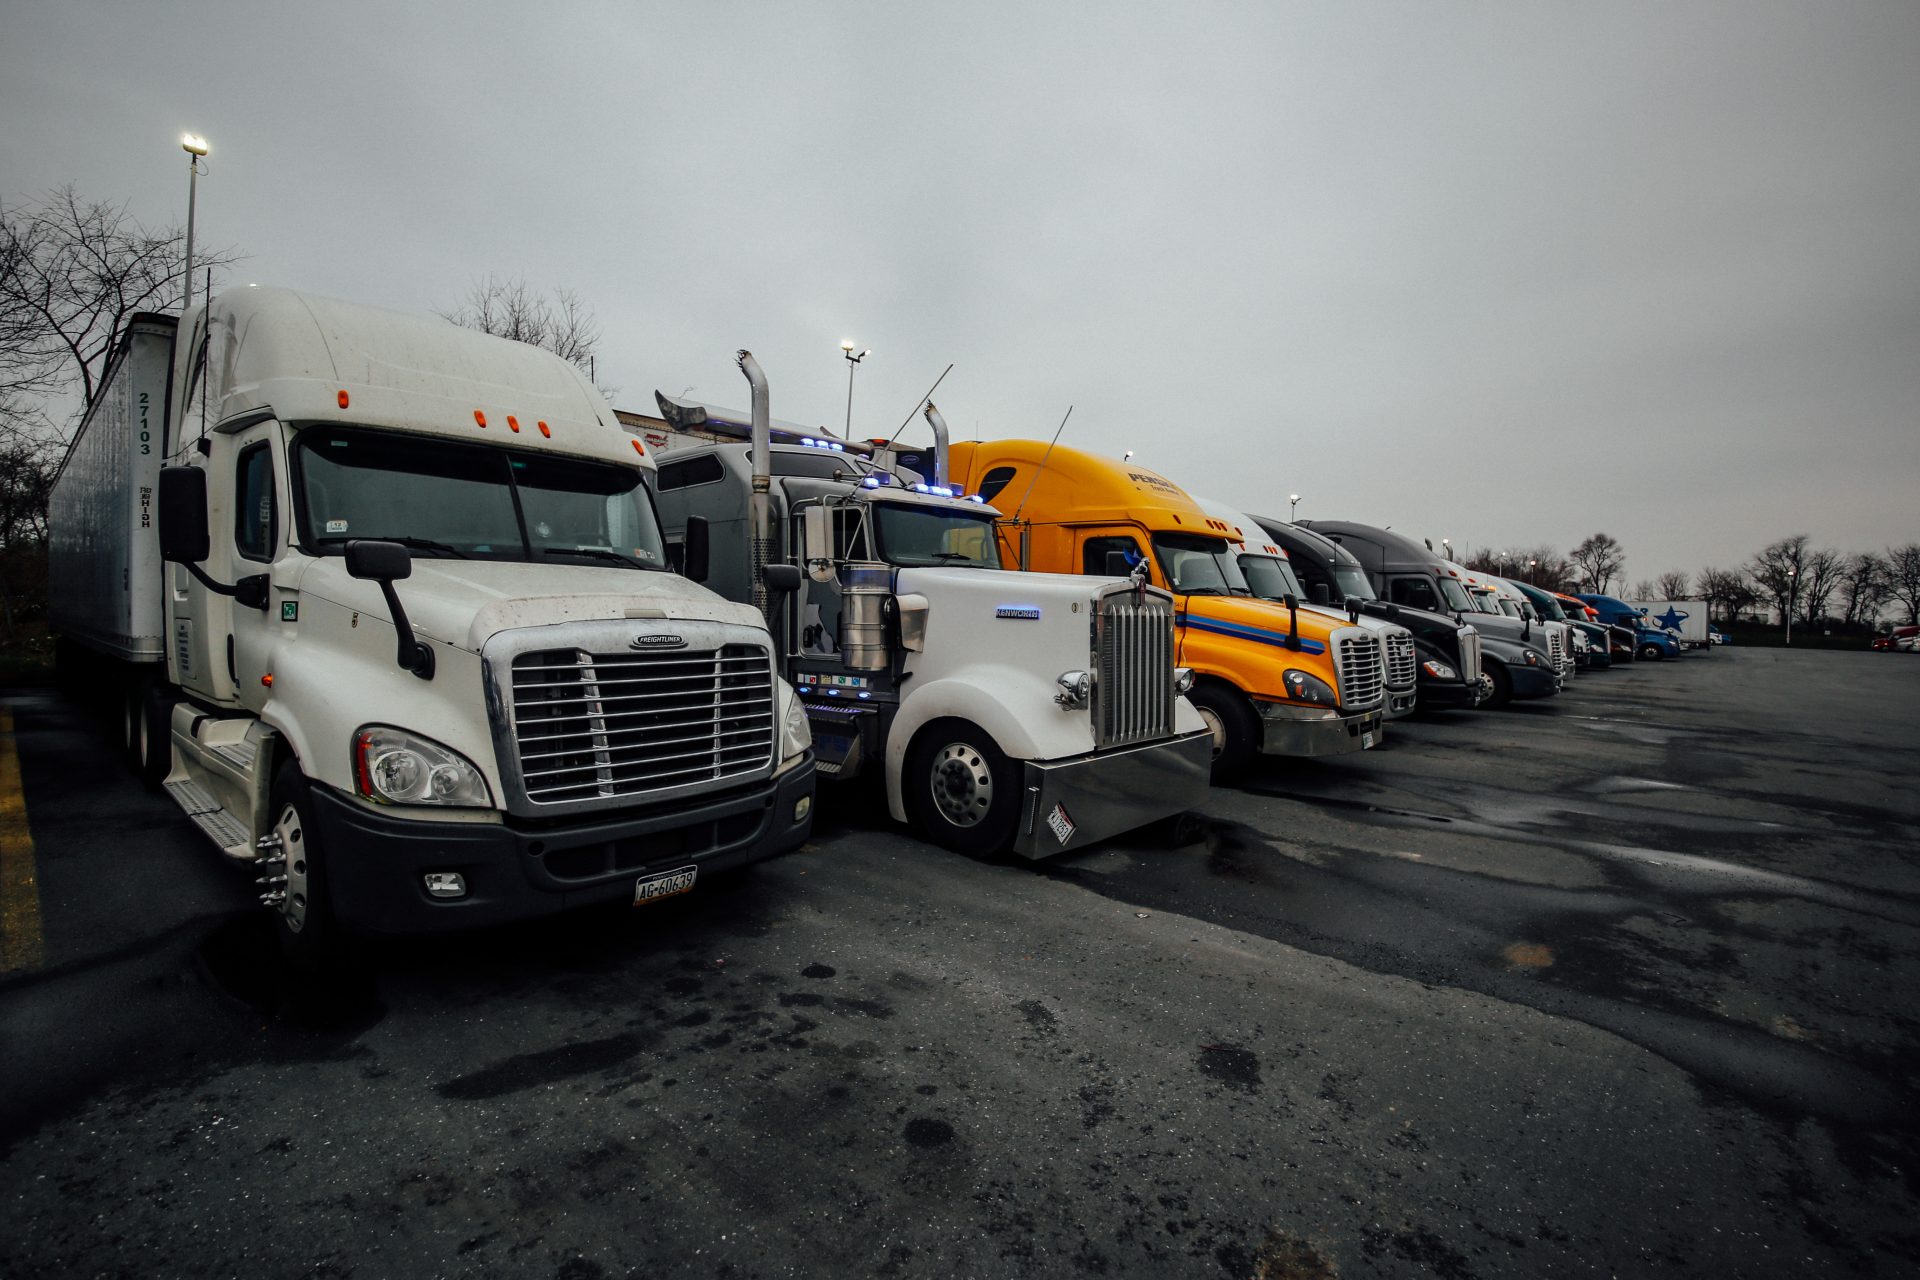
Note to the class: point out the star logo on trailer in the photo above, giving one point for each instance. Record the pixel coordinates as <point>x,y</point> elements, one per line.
<point>1672,618</point>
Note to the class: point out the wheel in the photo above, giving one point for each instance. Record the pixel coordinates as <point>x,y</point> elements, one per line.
<point>149,719</point>
<point>1651,653</point>
<point>1502,685</point>
<point>962,792</point>
<point>1229,717</point>
<point>310,936</point>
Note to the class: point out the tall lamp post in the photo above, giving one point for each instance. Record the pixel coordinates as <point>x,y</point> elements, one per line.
<point>1533,573</point>
<point>1293,505</point>
<point>196,147</point>
<point>1792,581</point>
<point>853,361</point>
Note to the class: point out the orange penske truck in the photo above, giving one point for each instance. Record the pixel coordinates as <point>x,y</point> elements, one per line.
<point>1270,677</point>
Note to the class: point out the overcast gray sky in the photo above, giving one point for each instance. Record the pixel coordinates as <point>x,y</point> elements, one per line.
<point>1496,272</point>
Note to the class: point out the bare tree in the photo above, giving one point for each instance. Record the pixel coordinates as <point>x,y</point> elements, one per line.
<point>1903,579</point>
<point>1727,588</point>
<point>1597,561</point>
<point>1776,572</point>
<point>558,322</point>
<point>72,272</point>
<point>1672,585</point>
<point>1645,589</point>
<point>30,454</point>
<point>1863,586</point>
<point>1819,578</point>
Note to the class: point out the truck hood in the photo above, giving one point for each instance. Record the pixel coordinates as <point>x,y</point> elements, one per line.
<point>1005,588</point>
<point>463,602</point>
<point>1266,616</point>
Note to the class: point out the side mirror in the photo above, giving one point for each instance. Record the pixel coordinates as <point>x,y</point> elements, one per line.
<point>693,554</point>
<point>378,561</point>
<point>183,515</point>
<point>1320,593</point>
<point>783,579</point>
<point>816,535</point>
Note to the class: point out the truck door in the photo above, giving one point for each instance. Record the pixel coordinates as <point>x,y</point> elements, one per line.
<point>258,533</point>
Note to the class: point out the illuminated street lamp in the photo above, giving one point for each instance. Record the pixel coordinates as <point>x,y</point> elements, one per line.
<point>1293,504</point>
<point>1533,576</point>
<point>1792,581</point>
<point>846,349</point>
<point>196,147</point>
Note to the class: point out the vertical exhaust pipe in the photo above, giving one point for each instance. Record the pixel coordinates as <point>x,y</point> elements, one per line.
<point>761,511</point>
<point>939,425</point>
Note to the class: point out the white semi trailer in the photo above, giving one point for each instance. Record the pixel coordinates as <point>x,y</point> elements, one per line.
<point>1002,711</point>
<point>1684,619</point>
<point>415,654</point>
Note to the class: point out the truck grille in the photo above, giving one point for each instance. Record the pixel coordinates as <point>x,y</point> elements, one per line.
<point>1557,649</point>
<point>1133,666</point>
<point>1358,662</point>
<point>1402,667</point>
<point>590,726</point>
<point>1469,655</point>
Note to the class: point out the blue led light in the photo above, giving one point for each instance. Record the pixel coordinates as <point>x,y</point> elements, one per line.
<point>807,440</point>
<point>977,498</point>
<point>865,694</point>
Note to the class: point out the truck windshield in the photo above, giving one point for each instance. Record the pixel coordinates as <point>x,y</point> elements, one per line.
<point>1456,596</point>
<point>443,497</point>
<point>1198,566</point>
<point>1352,581</point>
<point>1270,578</point>
<point>916,535</point>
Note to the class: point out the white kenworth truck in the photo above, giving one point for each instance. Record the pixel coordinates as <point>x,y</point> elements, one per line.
<point>1029,712</point>
<point>415,652</point>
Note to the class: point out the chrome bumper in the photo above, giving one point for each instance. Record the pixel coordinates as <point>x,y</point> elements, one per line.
<point>1072,803</point>
<point>1303,731</point>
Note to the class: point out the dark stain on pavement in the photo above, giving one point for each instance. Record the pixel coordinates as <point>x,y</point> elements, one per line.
<point>548,1066</point>
<point>1231,1065</point>
<point>924,1133</point>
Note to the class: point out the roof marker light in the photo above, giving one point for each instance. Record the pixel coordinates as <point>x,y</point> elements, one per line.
<point>513,424</point>
<point>807,441</point>
<point>543,429</point>
<point>480,417</point>
<point>342,398</point>
<point>637,449</point>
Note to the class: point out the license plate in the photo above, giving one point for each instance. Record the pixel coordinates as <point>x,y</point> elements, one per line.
<point>1366,740</point>
<point>665,885</point>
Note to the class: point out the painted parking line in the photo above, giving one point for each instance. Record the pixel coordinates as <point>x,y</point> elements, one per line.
<point>21,946</point>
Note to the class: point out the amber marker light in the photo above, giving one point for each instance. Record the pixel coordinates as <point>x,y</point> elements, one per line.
<point>480,417</point>
<point>342,398</point>
<point>513,424</point>
<point>637,449</point>
<point>267,679</point>
<point>543,430</point>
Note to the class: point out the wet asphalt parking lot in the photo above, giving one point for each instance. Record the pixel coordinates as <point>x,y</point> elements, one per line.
<point>1622,984</point>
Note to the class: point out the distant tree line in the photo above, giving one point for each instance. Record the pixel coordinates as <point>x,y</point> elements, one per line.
<point>1853,589</point>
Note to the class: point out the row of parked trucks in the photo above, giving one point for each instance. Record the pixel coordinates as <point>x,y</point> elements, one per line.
<point>412,625</point>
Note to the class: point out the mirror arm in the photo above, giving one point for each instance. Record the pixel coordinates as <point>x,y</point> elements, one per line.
<point>413,655</point>
<point>1293,622</point>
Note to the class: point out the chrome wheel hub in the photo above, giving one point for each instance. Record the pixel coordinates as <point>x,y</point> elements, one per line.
<point>293,906</point>
<point>962,784</point>
<point>1215,726</point>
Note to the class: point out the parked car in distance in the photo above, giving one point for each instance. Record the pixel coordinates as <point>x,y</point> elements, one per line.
<point>1899,639</point>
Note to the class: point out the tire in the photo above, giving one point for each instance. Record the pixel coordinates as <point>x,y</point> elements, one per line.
<point>150,734</point>
<point>1502,685</point>
<point>962,792</point>
<point>310,935</point>
<point>1230,718</point>
<point>1650,653</point>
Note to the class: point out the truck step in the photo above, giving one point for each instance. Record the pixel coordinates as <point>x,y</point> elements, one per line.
<point>240,754</point>
<point>222,827</point>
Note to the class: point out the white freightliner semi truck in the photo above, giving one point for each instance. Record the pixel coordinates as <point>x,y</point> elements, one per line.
<point>415,652</point>
<point>1029,712</point>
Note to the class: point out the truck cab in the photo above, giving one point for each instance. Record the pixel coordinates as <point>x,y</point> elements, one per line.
<point>1513,602</point>
<point>1590,637</point>
<point>1270,576</point>
<point>1514,652</point>
<point>1448,651</point>
<point>1003,710</point>
<point>1651,643</point>
<point>1273,679</point>
<point>425,666</point>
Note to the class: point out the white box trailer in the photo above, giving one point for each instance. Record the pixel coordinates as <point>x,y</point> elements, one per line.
<point>104,554</point>
<point>1688,617</point>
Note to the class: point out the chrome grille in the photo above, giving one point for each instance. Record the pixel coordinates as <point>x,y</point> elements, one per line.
<point>1557,648</point>
<point>1402,666</point>
<point>1133,666</point>
<point>1469,655</point>
<point>1357,660</point>
<point>593,726</point>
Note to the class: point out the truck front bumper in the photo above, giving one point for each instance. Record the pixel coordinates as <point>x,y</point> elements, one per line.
<point>1072,803</point>
<point>376,863</point>
<point>1305,731</point>
<point>1447,695</point>
<point>1400,703</point>
<point>1534,682</point>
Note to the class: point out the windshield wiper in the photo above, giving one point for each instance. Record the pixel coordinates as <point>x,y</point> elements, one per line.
<point>598,553</point>
<point>957,556</point>
<point>421,544</point>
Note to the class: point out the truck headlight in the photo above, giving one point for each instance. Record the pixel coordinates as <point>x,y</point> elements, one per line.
<point>1530,657</point>
<point>1439,670</point>
<point>795,734</point>
<point>392,766</point>
<point>1182,680</point>
<point>1308,687</point>
<point>1076,689</point>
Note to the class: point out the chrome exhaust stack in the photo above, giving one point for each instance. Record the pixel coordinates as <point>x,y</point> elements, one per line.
<point>761,509</point>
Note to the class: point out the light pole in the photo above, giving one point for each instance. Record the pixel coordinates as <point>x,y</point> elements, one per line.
<point>195,146</point>
<point>1533,574</point>
<point>1792,581</point>
<point>1293,505</point>
<point>846,349</point>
